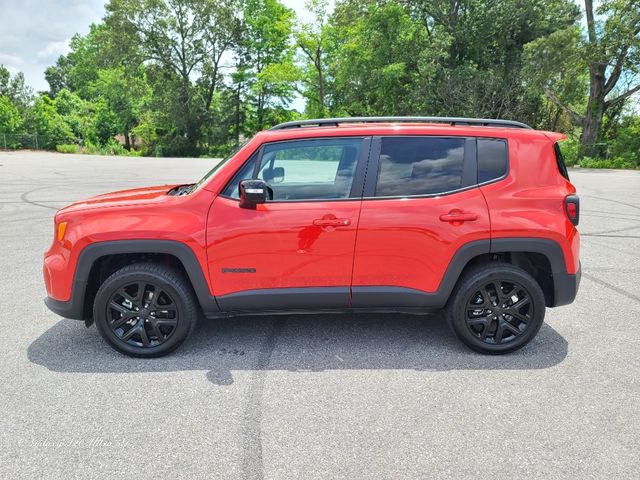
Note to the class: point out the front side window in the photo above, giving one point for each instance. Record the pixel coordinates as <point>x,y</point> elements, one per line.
<point>321,169</point>
<point>420,166</point>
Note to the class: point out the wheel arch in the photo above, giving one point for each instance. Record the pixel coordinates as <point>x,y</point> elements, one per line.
<point>98,260</point>
<point>542,258</point>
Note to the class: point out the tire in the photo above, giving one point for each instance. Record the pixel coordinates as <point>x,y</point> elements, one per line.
<point>496,308</point>
<point>145,310</point>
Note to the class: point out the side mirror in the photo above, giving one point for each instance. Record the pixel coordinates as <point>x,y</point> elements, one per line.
<point>254,192</point>
<point>274,175</point>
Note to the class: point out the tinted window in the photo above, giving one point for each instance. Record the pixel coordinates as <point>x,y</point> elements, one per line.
<point>419,166</point>
<point>562,167</point>
<point>310,169</point>
<point>245,172</point>
<point>492,159</point>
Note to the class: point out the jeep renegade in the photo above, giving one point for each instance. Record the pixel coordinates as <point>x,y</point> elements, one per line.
<point>399,214</point>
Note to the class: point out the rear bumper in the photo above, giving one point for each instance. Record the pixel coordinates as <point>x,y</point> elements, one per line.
<point>566,287</point>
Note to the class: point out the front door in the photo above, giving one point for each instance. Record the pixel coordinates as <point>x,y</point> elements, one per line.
<point>295,251</point>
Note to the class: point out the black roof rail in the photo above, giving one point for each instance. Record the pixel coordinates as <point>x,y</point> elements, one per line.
<point>334,122</point>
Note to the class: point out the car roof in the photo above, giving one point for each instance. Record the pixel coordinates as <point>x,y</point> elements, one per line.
<point>405,128</point>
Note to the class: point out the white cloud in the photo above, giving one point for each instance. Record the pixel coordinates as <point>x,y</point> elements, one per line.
<point>54,49</point>
<point>33,33</point>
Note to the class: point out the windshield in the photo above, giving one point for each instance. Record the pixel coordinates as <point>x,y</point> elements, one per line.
<point>217,167</point>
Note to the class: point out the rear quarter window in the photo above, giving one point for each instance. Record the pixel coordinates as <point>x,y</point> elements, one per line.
<point>562,167</point>
<point>492,159</point>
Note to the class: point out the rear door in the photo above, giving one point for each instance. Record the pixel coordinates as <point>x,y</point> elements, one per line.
<point>295,251</point>
<point>421,205</point>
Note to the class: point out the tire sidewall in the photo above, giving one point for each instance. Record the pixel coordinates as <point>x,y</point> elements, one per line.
<point>457,314</point>
<point>112,284</point>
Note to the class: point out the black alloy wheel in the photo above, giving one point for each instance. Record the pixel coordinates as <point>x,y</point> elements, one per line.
<point>499,312</point>
<point>141,314</point>
<point>496,308</point>
<point>145,309</point>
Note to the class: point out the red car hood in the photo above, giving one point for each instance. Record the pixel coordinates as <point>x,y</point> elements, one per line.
<point>136,196</point>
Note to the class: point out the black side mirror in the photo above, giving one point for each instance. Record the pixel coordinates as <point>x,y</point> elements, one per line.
<point>254,192</point>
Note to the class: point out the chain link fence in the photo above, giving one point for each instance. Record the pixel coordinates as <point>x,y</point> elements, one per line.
<point>17,141</point>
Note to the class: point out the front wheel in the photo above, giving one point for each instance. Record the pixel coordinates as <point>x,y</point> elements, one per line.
<point>145,310</point>
<point>496,308</point>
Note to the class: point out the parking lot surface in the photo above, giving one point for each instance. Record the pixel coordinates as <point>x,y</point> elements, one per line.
<point>306,397</point>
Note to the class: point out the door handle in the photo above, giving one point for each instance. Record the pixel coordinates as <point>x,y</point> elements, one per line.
<point>332,222</point>
<point>458,216</point>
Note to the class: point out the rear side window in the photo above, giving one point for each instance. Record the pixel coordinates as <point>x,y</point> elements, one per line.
<point>562,167</point>
<point>492,159</point>
<point>420,166</point>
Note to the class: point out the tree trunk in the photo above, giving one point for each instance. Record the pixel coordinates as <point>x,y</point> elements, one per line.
<point>592,121</point>
<point>320,83</point>
<point>127,140</point>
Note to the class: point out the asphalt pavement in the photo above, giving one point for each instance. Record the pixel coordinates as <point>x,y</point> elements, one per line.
<point>321,396</point>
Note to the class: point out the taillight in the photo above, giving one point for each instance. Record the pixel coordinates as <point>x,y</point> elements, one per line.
<point>572,208</point>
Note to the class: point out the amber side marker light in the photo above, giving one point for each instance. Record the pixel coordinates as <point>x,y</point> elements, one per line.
<point>62,228</point>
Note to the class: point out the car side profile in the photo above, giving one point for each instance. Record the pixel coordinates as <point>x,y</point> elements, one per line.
<point>399,214</point>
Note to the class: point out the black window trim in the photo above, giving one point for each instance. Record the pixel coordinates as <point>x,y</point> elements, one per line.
<point>508,169</point>
<point>469,168</point>
<point>357,186</point>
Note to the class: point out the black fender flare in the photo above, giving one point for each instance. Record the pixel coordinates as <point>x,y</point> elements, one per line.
<point>74,308</point>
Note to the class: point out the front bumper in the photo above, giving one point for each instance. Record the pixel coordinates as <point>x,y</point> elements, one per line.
<point>70,309</point>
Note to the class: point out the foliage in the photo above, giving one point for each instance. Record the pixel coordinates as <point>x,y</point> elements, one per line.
<point>197,77</point>
<point>67,148</point>
<point>10,118</point>
<point>616,162</point>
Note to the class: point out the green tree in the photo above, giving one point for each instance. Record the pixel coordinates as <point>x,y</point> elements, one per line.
<point>121,93</point>
<point>186,40</point>
<point>374,67</point>
<point>312,39</point>
<point>10,117</point>
<point>49,124</point>
<point>609,53</point>
<point>266,53</point>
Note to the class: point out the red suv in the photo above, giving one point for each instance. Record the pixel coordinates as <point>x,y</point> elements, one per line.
<point>335,215</point>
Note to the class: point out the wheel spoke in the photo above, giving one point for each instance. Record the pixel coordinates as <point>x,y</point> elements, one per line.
<point>144,338</point>
<point>477,321</point>
<point>507,325</point>
<point>169,322</point>
<point>516,314</point>
<point>118,322</point>
<point>122,292</point>
<point>116,306</point>
<point>140,296</point>
<point>497,337</point>
<point>486,329</point>
<point>486,298</point>
<point>129,333</point>
<point>520,303</point>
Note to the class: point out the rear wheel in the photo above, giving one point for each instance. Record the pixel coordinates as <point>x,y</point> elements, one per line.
<point>496,308</point>
<point>145,310</point>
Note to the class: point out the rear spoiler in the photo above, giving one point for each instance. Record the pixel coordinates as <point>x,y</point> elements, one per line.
<point>555,136</point>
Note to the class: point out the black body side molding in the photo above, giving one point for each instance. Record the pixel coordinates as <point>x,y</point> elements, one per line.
<point>316,299</point>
